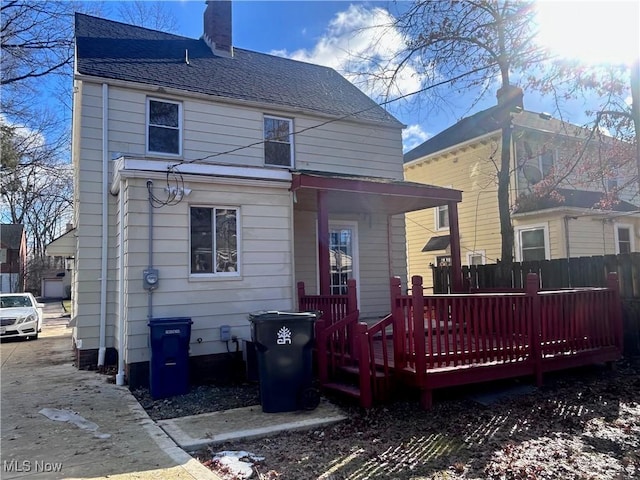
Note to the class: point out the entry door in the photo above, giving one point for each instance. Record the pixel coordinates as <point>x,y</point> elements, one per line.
<point>343,256</point>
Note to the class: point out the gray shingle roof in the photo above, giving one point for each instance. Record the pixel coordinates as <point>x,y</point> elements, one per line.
<point>487,121</point>
<point>11,235</point>
<point>572,199</point>
<point>119,51</point>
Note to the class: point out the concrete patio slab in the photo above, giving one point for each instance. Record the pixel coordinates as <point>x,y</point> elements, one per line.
<point>197,431</point>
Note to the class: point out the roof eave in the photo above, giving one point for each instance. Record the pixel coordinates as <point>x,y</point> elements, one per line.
<point>451,149</point>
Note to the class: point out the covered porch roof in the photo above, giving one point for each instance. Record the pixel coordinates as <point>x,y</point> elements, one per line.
<point>330,193</point>
<point>359,194</point>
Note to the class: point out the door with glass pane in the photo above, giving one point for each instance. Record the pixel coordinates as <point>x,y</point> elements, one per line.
<point>343,256</point>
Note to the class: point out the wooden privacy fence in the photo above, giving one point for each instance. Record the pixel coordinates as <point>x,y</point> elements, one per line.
<point>554,274</point>
<point>565,273</point>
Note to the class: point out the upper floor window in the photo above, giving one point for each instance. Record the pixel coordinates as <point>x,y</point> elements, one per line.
<point>214,240</point>
<point>624,238</point>
<point>532,243</point>
<point>546,161</point>
<point>164,127</point>
<point>278,141</point>
<point>442,217</point>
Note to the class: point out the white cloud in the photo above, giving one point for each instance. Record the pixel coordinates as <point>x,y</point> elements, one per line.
<point>362,45</point>
<point>412,136</point>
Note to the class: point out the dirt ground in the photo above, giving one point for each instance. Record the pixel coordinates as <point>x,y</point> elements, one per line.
<point>583,424</point>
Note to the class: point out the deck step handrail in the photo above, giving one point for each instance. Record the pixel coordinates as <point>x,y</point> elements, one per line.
<point>374,332</point>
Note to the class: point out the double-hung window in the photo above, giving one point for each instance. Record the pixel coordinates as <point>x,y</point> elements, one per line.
<point>532,243</point>
<point>442,217</point>
<point>278,141</point>
<point>546,161</point>
<point>164,127</point>
<point>624,238</point>
<point>214,240</point>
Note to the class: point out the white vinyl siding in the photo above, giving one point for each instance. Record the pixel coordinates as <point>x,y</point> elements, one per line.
<point>265,280</point>
<point>215,133</point>
<point>233,135</point>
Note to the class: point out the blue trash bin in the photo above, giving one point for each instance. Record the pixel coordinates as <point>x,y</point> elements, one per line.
<point>169,367</point>
<point>284,346</point>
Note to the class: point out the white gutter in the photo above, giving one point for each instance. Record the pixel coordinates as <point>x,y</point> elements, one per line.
<point>121,322</point>
<point>105,224</point>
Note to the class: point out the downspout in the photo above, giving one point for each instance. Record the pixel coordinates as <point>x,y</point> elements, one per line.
<point>150,290</point>
<point>121,322</point>
<point>567,244</point>
<point>105,224</point>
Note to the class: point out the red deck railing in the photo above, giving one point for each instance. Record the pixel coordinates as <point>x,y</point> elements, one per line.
<point>458,339</point>
<point>436,341</point>
<point>333,307</point>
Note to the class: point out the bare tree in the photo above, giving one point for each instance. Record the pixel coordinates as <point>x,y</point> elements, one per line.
<point>473,43</point>
<point>35,186</point>
<point>608,88</point>
<point>153,15</point>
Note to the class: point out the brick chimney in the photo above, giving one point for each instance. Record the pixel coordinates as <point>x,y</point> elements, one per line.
<point>217,27</point>
<point>511,95</point>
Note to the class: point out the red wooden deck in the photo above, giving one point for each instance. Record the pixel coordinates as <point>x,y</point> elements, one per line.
<point>437,341</point>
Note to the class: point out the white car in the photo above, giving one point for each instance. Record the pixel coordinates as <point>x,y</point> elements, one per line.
<point>20,316</point>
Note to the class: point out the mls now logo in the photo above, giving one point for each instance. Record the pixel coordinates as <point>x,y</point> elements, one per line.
<point>284,336</point>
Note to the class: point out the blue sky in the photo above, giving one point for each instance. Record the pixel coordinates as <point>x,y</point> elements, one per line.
<point>333,33</point>
<point>339,34</point>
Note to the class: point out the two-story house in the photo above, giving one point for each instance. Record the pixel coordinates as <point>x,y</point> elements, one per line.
<point>210,180</point>
<point>559,178</point>
<point>13,257</point>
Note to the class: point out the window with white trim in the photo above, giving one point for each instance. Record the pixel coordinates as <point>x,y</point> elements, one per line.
<point>164,127</point>
<point>443,260</point>
<point>532,243</point>
<point>214,241</point>
<point>442,217</point>
<point>624,238</point>
<point>278,141</point>
<point>476,258</point>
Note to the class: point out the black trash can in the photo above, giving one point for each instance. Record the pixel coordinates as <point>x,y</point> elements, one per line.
<point>169,367</point>
<point>284,343</point>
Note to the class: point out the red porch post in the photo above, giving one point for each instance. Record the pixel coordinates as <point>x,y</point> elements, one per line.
<point>454,243</point>
<point>324,263</point>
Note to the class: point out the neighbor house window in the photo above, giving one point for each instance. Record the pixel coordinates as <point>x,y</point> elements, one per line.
<point>624,238</point>
<point>532,243</point>
<point>443,260</point>
<point>476,258</point>
<point>278,141</point>
<point>442,217</point>
<point>164,127</point>
<point>214,240</point>
<point>546,161</point>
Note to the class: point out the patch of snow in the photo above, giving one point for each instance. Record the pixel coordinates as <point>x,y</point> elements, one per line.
<point>240,463</point>
<point>73,418</point>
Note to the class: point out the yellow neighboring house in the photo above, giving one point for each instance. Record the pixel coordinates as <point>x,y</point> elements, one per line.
<point>571,220</point>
